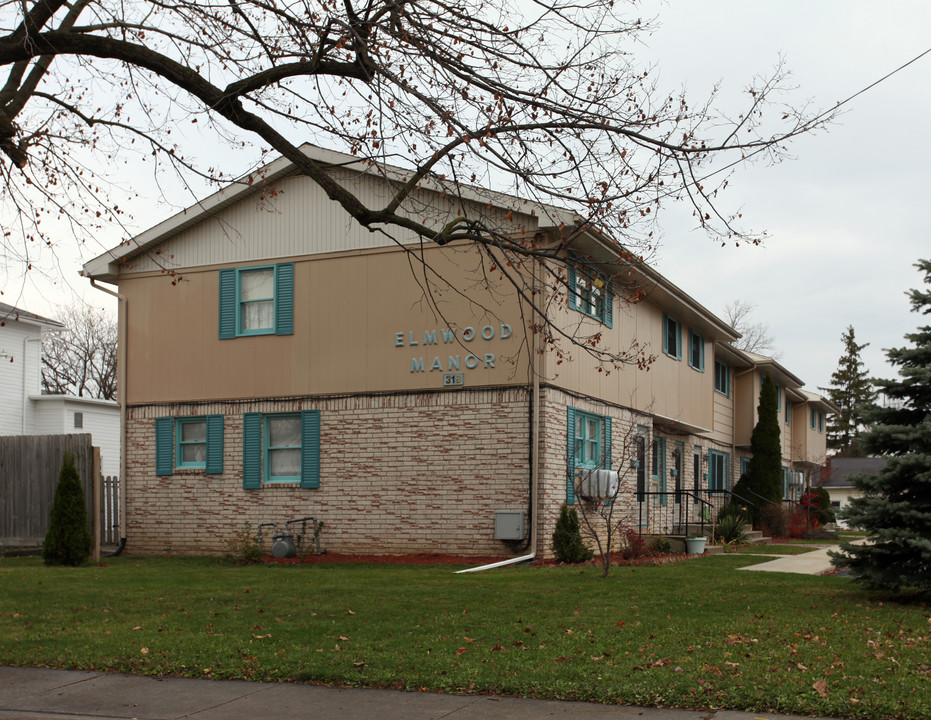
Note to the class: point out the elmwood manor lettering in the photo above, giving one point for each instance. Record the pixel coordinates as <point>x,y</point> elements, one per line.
<point>446,336</point>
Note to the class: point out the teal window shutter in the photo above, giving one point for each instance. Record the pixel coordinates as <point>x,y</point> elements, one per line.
<point>228,303</point>
<point>284,299</point>
<point>214,445</point>
<point>573,290</point>
<point>570,455</point>
<point>164,446</point>
<point>609,309</point>
<point>310,449</point>
<point>252,451</point>
<point>607,448</point>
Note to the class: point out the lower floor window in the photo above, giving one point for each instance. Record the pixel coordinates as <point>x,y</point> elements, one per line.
<point>189,443</point>
<point>281,448</point>
<point>717,470</point>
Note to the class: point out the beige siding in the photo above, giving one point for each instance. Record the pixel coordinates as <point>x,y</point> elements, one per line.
<point>723,418</point>
<point>357,319</point>
<point>667,387</point>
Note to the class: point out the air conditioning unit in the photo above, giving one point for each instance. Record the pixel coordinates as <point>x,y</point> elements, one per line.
<point>598,483</point>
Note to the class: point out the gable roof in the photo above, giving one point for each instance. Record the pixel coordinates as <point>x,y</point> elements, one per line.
<point>106,266</point>
<point>838,471</point>
<point>9,312</point>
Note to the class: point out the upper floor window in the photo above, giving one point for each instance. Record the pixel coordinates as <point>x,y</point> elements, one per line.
<point>722,378</point>
<point>778,398</point>
<point>79,420</point>
<point>590,295</point>
<point>257,301</point>
<point>672,337</point>
<point>817,420</point>
<point>788,411</point>
<point>696,351</point>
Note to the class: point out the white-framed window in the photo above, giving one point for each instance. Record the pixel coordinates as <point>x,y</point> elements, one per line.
<point>79,421</point>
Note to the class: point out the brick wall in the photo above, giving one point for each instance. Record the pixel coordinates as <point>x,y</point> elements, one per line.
<point>398,474</point>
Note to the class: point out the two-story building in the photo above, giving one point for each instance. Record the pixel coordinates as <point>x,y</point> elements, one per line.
<point>280,361</point>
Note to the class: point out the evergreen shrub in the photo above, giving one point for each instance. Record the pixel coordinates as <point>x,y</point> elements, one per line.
<point>68,541</point>
<point>568,546</point>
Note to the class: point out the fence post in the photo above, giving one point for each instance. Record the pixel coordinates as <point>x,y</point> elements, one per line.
<point>95,474</point>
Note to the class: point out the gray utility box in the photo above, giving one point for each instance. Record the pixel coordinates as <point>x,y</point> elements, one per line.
<point>509,524</point>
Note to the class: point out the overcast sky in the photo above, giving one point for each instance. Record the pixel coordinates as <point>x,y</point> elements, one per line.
<point>846,216</point>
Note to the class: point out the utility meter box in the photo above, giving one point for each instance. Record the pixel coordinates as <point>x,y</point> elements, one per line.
<point>509,525</point>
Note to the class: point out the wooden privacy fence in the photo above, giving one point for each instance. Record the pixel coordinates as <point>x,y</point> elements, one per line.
<point>29,470</point>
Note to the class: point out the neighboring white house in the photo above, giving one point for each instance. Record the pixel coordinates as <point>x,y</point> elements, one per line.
<point>25,411</point>
<point>836,474</point>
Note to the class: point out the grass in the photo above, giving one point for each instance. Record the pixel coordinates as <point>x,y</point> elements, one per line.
<point>694,634</point>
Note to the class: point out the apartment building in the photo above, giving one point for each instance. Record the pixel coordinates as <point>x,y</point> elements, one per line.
<point>280,361</point>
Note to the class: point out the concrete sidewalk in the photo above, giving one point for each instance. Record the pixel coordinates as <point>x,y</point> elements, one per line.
<point>815,562</point>
<point>38,694</point>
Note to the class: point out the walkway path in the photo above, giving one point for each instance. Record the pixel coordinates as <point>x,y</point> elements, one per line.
<point>815,562</point>
<point>39,694</point>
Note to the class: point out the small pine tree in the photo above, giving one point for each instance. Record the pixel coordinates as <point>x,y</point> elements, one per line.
<point>852,392</point>
<point>895,508</point>
<point>764,473</point>
<point>67,541</point>
<point>568,546</point>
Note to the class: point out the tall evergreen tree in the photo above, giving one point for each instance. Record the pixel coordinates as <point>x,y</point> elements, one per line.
<point>764,473</point>
<point>852,392</point>
<point>896,504</point>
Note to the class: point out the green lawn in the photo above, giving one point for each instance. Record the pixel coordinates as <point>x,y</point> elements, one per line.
<point>694,634</point>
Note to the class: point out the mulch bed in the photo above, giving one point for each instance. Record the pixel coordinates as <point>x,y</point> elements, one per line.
<point>440,559</point>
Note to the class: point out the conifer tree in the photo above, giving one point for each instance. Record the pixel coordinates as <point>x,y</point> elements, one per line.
<point>852,392</point>
<point>67,541</point>
<point>895,508</point>
<point>764,473</point>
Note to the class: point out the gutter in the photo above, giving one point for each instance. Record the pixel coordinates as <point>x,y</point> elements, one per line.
<point>535,517</point>
<point>121,398</point>
<point>25,402</point>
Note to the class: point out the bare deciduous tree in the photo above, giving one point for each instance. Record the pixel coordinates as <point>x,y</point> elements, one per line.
<point>755,336</point>
<point>543,101</point>
<point>81,359</point>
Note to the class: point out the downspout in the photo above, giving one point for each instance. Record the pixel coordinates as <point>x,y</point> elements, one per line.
<point>25,379</point>
<point>121,398</point>
<point>534,516</point>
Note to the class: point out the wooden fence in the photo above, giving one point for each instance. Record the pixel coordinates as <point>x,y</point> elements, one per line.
<point>29,469</point>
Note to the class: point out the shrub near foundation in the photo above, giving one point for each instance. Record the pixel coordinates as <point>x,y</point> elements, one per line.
<point>568,546</point>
